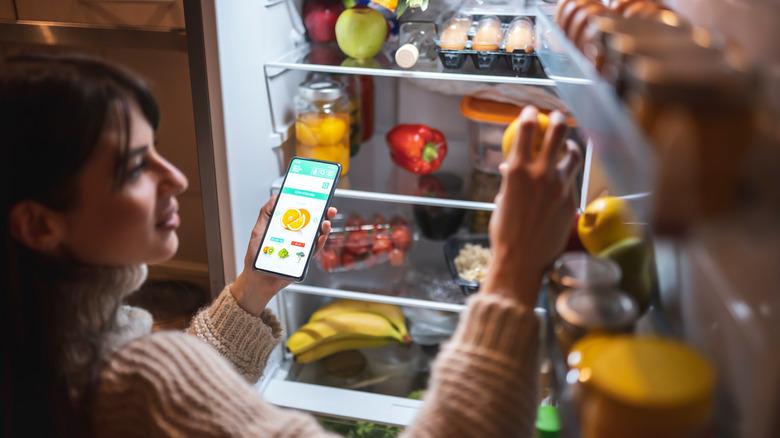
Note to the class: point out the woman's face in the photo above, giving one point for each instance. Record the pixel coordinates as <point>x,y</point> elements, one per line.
<point>126,210</point>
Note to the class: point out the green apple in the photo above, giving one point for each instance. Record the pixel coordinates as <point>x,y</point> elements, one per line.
<point>361,32</point>
<point>364,63</point>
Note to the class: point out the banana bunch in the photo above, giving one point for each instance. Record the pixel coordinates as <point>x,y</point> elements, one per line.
<point>347,325</point>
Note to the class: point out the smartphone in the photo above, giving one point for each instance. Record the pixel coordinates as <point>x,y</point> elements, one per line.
<point>291,235</point>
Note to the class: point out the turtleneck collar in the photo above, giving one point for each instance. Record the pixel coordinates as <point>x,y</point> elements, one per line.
<point>101,323</point>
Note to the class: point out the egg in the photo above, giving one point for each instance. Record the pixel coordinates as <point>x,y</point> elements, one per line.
<point>520,37</point>
<point>453,37</point>
<point>488,35</point>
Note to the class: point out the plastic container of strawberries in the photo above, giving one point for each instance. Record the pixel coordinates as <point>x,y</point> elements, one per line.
<point>357,242</point>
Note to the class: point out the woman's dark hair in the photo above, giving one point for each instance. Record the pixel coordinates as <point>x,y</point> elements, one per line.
<point>53,111</point>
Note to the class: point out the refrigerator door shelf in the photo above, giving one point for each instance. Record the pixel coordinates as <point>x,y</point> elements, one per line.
<point>619,147</point>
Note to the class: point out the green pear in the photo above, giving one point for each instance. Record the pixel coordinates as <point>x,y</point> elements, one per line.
<point>634,257</point>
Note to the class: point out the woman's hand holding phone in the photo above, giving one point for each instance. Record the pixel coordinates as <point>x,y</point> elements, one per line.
<point>534,208</point>
<point>253,289</point>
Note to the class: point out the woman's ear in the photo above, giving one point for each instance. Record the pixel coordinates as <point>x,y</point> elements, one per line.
<point>36,226</point>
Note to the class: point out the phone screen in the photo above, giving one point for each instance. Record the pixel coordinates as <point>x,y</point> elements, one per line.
<point>294,226</point>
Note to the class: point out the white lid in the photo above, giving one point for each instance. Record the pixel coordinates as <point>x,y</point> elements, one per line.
<point>406,55</point>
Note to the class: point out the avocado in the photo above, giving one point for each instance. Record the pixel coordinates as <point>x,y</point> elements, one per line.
<point>634,257</point>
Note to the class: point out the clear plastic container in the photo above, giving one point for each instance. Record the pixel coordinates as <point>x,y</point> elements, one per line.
<point>455,33</point>
<point>488,35</point>
<point>356,243</point>
<point>520,36</point>
<point>322,122</point>
<point>430,327</point>
<point>394,368</point>
<point>487,122</point>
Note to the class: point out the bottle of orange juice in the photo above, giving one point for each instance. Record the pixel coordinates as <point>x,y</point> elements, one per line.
<point>322,122</point>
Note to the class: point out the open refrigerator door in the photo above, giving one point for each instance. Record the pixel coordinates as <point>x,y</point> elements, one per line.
<point>387,259</point>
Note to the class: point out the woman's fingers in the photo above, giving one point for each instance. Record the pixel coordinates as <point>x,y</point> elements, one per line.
<point>332,211</point>
<point>522,149</point>
<point>553,139</point>
<point>570,164</point>
<point>324,231</point>
<point>266,210</point>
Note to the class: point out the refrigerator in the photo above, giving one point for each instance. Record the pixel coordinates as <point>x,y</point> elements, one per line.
<point>718,288</point>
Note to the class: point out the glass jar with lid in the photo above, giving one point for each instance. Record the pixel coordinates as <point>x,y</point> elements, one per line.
<point>580,270</point>
<point>322,122</point>
<point>587,311</point>
<point>645,387</point>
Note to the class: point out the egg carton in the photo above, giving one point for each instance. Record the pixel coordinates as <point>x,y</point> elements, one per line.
<point>518,61</point>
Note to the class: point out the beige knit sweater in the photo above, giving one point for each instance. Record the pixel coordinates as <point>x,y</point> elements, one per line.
<point>175,384</point>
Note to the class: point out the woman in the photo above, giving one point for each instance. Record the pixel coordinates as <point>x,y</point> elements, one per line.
<point>88,201</point>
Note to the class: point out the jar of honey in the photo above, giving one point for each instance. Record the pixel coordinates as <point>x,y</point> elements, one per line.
<point>322,122</point>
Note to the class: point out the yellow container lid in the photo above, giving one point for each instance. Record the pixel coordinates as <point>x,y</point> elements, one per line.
<point>483,110</point>
<point>501,113</point>
<point>652,372</point>
<point>587,349</point>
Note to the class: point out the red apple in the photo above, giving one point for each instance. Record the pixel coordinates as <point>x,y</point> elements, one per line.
<point>319,17</point>
<point>325,54</point>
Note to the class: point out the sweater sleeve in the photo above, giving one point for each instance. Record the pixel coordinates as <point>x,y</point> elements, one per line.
<point>170,384</point>
<point>242,338</point>
<point>484,381</point>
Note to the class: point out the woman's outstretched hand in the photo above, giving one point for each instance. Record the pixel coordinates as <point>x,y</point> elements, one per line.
<point>534,208</point>
<point>252,289</point>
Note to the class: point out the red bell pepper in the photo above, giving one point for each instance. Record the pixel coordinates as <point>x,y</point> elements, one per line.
<point>417,148</point>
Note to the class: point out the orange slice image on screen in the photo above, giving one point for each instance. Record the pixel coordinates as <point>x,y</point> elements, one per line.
<point>307,216</point>
<point>294,219</point>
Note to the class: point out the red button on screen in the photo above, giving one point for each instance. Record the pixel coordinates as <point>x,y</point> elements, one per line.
<point>301,244</point>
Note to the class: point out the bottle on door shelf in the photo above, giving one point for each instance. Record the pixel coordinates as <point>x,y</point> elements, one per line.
<point>416,42</point>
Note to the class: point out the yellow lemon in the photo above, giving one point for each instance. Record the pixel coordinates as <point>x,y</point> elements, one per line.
<point>332,130</point>
<point>606,221</point>
<point>305,134</point>
<point>511,132</point>
<point>338,153</point>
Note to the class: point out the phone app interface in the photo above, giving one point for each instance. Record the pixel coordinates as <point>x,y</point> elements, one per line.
<point>290,236</point>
